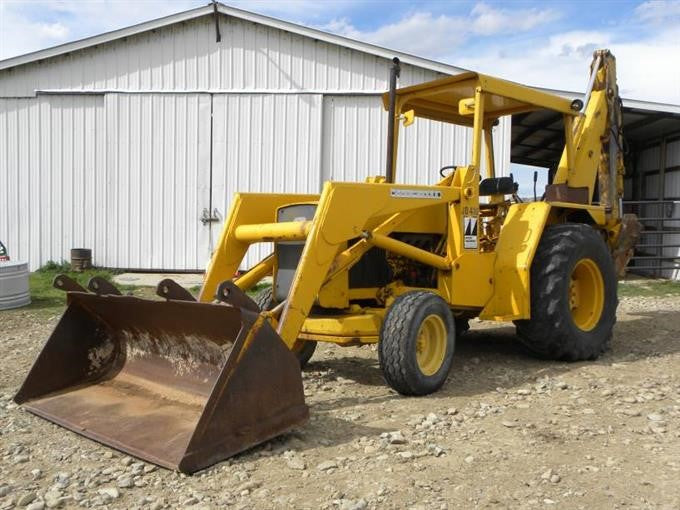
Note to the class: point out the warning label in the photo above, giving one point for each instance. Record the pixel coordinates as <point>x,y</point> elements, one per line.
<point>470,232</point>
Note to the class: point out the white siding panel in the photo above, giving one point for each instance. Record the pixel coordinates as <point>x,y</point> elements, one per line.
<point>51,157</point>
<point>264,143</point>
<point>649,159</point>
<point>185,57</point>
<point>672,185</point>
<point>651,187</point>
<point>355,131</point>
<point>628,189</point>
<point>673,239</point>
<point>158,174</point>
<point>673,153</point>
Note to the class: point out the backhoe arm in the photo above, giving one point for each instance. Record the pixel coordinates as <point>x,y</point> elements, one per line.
<point>597,141</point>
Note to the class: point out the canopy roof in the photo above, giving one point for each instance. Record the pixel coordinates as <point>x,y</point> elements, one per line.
<point>441,99</point>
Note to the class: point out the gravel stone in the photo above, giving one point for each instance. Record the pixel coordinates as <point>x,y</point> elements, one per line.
<point>109,492</point>
<point>26,498</point>
<point>326,465</point>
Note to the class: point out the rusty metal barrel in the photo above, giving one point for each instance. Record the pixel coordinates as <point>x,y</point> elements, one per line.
<point>81,259</point>
<point>180,384</point>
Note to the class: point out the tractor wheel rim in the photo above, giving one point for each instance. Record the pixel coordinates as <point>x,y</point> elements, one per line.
<point>431,344</point>
<point>586,294</point>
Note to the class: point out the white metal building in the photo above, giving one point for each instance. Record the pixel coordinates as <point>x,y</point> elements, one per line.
<point>123,142</point>
<point>127,141</point>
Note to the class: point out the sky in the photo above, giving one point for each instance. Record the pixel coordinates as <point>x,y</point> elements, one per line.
<point>540,43</point>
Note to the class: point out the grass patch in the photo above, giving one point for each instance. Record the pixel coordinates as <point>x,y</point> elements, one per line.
<point>45,298</point>
<point>650,288</point>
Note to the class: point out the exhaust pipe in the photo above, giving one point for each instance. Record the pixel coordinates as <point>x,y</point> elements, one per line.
<point>395,70</point>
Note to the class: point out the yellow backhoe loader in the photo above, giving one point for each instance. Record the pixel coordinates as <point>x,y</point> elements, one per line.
<point>185,382</point>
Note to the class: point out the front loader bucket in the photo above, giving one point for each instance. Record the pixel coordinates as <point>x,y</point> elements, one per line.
<point>180,384</point>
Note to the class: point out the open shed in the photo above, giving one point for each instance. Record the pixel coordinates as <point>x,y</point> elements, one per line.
<point>652,182</point>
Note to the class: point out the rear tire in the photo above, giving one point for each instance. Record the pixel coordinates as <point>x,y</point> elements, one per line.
<point>303,349</point>
<point>417,340</point>
<point>573,295</point>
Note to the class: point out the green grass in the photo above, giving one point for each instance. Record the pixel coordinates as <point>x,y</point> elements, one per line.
<point>46,299</point>
<point>650,288</point>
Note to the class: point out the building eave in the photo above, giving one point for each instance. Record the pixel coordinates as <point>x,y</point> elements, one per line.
<point>191,14</point>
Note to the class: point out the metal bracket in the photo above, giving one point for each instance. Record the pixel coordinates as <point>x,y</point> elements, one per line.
<point>216,15</point>
<point>63,282</point>
<point>229,293</point>
<point>170,289</point>
<point>206,217</point>
<point>102,287</point>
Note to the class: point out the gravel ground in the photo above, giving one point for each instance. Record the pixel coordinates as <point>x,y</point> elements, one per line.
<point>506,431</point>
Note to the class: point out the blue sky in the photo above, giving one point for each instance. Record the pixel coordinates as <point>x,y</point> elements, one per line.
<point>538,43</point>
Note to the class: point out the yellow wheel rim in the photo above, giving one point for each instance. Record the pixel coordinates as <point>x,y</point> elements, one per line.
<point>586,294</point>
<point>431,344</point>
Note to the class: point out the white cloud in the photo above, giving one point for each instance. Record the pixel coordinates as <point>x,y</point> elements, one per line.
<point>23,28</point>
<point>658,12</point>
<point>487,20</point>
<point>31,26</point>
<point>54,30</point>
<point>435,36</point>
<point>296,9</point>
<point>562,63</point>
<point>646,63</point>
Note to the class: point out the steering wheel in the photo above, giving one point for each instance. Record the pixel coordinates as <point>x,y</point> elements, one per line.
<point>447,167</point>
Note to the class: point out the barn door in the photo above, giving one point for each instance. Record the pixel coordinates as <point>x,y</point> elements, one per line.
<point>264,143</point>
<point>158,181</point>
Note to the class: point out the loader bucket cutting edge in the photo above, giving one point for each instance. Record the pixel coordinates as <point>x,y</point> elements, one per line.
<point>180,384</point>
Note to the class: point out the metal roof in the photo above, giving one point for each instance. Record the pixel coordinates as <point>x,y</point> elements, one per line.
<point>538,137</point>
<point>236,13</point>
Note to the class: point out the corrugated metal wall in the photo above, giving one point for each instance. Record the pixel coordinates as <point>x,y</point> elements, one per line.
<point>144,163</point>
<point>265,143</point>
<point>354,141</point>
<point>52,171</point>
<point>128,170</point>
<point>650,161</point>
<point>158,181</point>
<point>185,56</point>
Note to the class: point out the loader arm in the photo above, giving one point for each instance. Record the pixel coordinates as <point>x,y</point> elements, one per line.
<point>595,146</point>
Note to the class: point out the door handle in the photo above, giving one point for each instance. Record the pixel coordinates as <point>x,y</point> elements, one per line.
<point>206,217</point>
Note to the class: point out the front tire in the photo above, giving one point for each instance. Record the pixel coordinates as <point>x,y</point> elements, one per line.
<point>573,295</point>
<point>303,349</point>
<point>417,341</point>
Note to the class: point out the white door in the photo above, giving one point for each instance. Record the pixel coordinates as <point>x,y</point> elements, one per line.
<point>264,143</point>
<point>157,181</point>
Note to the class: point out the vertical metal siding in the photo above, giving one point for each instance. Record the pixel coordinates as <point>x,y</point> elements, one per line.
<point>354,143</point>
<point>186,57</point>
<point>651,187</point>
<point>265,143</point>
<point>158,176</point>
<point>129,173</point>
<point>628,189</point>
<point>673,153</point>
<point>51,158</point>
<point>672,185</point>
<point>649,159</point>
<point>673,239</point>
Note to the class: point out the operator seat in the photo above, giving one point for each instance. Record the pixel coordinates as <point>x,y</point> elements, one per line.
<point>497,186</point>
